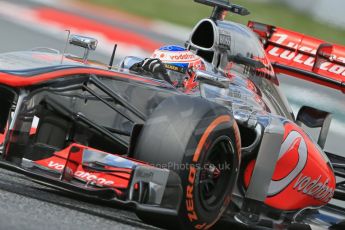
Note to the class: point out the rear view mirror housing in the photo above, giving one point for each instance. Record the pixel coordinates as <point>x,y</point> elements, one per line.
<point>129,61</point>
<point>210,79</point>
<point>240,59</point>
<point>85,42</point>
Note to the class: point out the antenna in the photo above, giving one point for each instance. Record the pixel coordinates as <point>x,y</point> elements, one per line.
<point>66,44</point>
<point>112,57</point>
<point>222,7</point>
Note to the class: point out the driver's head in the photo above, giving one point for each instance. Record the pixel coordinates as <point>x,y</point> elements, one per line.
<point>180,64</point>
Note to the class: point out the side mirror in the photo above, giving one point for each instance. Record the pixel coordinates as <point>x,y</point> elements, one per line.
<point>240,59</point>
<point>315,118</point>
<point>210,79</point>
<point>129,61</point>
<point>85,42</point>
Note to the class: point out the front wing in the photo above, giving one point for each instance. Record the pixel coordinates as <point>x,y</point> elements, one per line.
<point>91,173</point>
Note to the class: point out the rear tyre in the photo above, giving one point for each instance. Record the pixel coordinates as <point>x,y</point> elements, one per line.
<point>200,141</point>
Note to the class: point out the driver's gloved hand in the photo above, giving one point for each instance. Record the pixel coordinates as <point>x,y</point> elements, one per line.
<point>153,67</point>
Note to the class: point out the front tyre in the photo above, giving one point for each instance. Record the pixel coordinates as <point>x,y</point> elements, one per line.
<point>200,141</point>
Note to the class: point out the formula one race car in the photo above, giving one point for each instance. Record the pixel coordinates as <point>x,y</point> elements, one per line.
<point>230,152</point>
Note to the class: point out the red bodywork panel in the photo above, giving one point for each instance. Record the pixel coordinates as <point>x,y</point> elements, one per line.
<point>22,81</point>
<point>302,177</point>
<point>306,57</point>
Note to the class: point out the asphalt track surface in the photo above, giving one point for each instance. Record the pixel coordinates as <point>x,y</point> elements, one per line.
<point>28,205</point>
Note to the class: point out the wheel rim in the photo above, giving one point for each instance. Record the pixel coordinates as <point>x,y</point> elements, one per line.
<point>215,174</point>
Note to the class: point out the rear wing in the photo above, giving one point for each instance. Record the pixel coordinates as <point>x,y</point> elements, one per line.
<point>302,56</point>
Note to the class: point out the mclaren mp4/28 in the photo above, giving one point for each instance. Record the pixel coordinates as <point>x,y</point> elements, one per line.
<point>230,151</point>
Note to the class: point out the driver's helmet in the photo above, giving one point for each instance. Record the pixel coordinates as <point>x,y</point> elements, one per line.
<point>180,64</point>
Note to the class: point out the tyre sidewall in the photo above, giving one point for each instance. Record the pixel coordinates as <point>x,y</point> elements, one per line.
<point>192,211</point>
